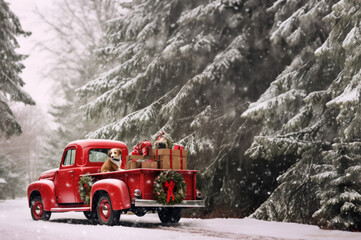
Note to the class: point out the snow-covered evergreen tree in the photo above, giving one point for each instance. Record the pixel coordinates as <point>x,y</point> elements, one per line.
<point>340,187</point>
<point>10,69</point>
<point>191,68</point>
<point>19,165</point>
<point>313,107</point>
<point>11,172</point>
<point>188,68</point>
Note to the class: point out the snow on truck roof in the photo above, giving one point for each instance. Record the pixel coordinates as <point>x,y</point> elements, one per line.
<point>97,143</point>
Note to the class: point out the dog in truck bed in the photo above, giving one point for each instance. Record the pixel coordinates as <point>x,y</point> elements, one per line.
<point>114,161</point>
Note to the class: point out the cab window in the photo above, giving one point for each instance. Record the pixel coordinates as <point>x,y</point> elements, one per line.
<point>98,155</point>
<point>69,158</point>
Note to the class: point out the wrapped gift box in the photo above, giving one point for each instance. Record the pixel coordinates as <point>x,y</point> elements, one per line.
<point>133,164</point>
<point>170,158</point>
<point>134,161</point>
<point>150,164</point>
<point>138,161</point>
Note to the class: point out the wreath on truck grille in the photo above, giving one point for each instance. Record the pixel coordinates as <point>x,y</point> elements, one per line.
<point>85,188</point>
<point>169,188</point>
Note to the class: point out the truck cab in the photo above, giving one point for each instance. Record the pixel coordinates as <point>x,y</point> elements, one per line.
<point>112,193</point>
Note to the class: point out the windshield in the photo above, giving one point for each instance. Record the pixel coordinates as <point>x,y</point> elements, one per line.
<point>98,154</point>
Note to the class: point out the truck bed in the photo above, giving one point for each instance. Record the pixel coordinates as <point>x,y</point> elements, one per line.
<point>143,179</point>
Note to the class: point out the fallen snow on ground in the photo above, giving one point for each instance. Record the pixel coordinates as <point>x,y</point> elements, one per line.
<point>16,223</point>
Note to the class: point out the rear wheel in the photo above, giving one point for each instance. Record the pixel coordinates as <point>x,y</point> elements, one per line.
<point>170,215</point>
<point>37,210</point>
<point>140,212</point>
<point>105,213</point>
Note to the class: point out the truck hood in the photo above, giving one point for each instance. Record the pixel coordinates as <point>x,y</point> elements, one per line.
<point>49,175</point>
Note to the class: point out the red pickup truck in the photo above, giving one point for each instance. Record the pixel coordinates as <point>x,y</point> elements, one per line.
<point>112,193</point>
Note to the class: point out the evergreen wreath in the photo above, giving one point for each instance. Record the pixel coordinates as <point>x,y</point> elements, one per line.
<point>169,187</point>
<point>85,187</point>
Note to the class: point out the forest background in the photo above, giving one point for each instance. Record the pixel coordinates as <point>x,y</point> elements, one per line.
<point>264,95</point>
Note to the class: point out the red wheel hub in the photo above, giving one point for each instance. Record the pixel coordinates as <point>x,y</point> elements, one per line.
<point>38,210</point>
<point>104,210</point>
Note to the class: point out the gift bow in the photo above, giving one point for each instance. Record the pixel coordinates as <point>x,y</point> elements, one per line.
<point>160,135</point>
<point>151,160</point>
<point>170,185</point>
<point>142,148</point>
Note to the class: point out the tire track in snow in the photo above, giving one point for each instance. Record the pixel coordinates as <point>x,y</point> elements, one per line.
<point>217,234</point>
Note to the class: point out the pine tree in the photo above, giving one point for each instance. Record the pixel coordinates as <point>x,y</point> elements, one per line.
<point>10,69</point>
<point>12,173</point>
<point>191,68</point>
<point>340,188</point>
<point>160,59</point>
<point>19,165</point>
<point>187,68</point>
<point>314,103</point>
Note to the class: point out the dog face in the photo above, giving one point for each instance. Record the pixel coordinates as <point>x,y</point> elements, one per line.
<point>161,143</point>
<point>115,153</point>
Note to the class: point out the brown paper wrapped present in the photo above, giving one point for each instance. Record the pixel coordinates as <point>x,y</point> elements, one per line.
<point>170,158</point>
<point>150,164</point>
<point>139,161</point>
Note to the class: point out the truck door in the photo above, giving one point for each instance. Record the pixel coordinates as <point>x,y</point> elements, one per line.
<point>64,181</point>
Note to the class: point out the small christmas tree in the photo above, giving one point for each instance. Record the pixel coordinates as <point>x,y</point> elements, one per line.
<point>340,189</point>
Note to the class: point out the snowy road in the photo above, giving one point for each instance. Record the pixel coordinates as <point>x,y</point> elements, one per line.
<point>16,223</point>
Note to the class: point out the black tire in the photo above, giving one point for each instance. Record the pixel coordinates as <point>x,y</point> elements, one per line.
<point>91,215</point>
<point>170,215</point>
<point>105,213</point>
<point>140,212</point>
<point>37,210</point>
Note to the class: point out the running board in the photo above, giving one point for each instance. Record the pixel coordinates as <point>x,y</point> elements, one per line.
<point>78,209</point>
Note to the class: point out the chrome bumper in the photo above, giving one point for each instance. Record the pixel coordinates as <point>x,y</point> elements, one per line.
<point>153,203</point>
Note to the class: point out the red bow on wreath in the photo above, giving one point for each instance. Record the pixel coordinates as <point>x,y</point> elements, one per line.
<point>170,185</point>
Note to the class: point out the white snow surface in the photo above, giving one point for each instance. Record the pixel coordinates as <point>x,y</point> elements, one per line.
<point>16,223</point>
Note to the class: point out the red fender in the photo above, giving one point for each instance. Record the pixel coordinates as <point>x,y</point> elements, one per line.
<point>47,192</point>
<point>117,190</point>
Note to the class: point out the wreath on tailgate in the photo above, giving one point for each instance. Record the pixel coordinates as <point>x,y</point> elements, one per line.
<point>85,187</point>
<point>169,188</point>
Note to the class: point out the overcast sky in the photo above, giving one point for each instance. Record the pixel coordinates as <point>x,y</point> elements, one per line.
<point>37,85</point>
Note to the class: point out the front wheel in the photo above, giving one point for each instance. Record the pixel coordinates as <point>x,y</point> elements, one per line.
<point>106,214</point>
<point>170,215</point>
<point>37,210</point>
<point>91,215</point>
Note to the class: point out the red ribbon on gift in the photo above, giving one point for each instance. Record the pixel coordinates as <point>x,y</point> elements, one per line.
<point>171,158</point>
<point>180,148</point>
<point>151,160</point>
<point>135,152</point>
<point>170,185</point>
<point>142,148</point>
<point>181,157</point>
<point>145,147</point>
